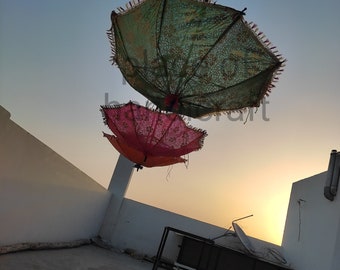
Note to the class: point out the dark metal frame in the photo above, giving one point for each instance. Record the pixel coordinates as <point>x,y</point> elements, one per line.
<point>164,238</point>
<point>208,242</point>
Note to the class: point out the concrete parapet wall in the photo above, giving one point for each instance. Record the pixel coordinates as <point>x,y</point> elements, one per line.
<point>43,197</point>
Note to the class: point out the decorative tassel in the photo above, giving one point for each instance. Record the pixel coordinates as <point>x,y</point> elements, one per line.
<point>206,1</point>
<point>129,6</point>
<point>110,36</point>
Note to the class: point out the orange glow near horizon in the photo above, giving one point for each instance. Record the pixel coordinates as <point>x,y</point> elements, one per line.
<point>260,194</point>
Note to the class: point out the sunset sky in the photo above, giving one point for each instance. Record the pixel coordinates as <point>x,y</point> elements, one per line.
<point>55,73</point>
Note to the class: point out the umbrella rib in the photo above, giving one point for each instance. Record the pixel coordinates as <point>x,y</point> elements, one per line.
<point>160,139</point>
<point>145,78</point>
<point>154,123</point>
<point>135,126</point>
<point>184,65</point>
<point>167,129</point>
<point>239,16</point>
<point>222,88</point>
<point>264,71</point>
<point>119,33</point>
<point>161,17</point>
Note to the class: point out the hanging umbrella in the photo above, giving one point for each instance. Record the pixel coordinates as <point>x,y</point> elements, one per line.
<point>193,57</point>
<point>149,137</point>
<point>138,157</point>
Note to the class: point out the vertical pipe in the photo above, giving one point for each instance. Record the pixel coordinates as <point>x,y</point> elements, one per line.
<point>161,248</point>
<point>332,180</point>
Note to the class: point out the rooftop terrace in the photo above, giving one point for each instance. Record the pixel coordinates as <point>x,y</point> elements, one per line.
<point>88,257</point>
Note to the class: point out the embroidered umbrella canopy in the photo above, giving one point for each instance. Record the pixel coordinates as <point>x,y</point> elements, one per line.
<point>149,137</point>
<point>193,57</point>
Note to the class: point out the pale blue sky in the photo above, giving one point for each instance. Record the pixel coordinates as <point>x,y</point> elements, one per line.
<point>55,71</point>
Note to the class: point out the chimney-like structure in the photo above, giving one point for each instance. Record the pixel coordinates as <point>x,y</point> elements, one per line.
<point>333,175</point>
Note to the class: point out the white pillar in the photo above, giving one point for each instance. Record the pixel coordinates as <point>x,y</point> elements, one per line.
<point>121,176</point>
<point>118,186</point>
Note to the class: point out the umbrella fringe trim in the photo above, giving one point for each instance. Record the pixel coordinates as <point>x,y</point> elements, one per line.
<point>103,107</point>
<point>274,51</point>
<point>274,80</point>
<point>245,110</point>
<point>265,41</point>
<point>110,35</point>
<point>227,112</point>
<point>203,132</point>
<point>116,106</point>
<point>130,5</point>
<point>103,116</point>
<point>149,105</point>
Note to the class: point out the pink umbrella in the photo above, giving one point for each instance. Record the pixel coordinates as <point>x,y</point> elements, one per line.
<point>149,137</point>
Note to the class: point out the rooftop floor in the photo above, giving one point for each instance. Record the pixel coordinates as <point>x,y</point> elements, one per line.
<point>87,257</point>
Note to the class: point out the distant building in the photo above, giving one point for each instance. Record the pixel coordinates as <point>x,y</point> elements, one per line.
<point>311,237</point>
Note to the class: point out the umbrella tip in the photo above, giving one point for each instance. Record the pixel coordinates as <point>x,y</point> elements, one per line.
<point>138,167</point>
<point>113,15</point>
<point>171,102</point>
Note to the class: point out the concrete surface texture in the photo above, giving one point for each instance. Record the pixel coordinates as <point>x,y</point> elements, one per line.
<point>87,257</point>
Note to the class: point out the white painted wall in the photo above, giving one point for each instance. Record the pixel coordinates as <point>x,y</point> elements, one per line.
<point>317,221</point>
<point>140,227</point>
<point>43,197</point>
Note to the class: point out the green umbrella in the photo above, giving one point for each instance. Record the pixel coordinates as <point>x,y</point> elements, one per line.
<point>192,57</point>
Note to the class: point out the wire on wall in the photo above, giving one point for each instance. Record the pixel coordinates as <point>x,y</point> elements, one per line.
<point>300,201</point>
